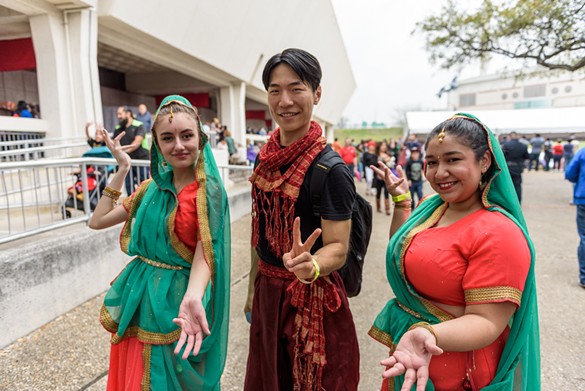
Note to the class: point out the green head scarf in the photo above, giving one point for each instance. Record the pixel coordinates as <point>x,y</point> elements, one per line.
<point>144,298</point>
<point>519,367</point>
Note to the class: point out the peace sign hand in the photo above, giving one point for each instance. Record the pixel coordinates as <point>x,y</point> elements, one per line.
<point>299,259</point>
<point>396,185</point>
<point>122,158</point>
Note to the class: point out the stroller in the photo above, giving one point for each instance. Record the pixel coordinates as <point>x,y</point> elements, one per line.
<point>97,180</point>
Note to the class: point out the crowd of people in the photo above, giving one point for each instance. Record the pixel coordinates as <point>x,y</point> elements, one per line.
<point>21,109</point>
<point>464,315</point>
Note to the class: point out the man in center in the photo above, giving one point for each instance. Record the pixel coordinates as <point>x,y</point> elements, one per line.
<point>302,334</point>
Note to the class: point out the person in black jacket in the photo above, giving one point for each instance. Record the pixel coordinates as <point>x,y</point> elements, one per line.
<point>516,154</point>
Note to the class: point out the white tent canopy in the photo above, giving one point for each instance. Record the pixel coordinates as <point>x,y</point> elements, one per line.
<point>524,121</point>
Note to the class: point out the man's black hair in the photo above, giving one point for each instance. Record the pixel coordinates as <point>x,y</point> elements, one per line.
<point>304,64</point>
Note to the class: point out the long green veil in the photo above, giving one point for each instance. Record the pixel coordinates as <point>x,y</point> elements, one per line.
<point>519,367</point>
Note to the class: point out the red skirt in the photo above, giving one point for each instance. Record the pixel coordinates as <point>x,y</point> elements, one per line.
<point>126,366</point>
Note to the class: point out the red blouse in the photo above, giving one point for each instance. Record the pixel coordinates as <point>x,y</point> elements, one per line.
<point>186,224</point>
<point>482,258</point>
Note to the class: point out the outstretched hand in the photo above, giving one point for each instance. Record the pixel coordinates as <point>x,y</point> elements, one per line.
<point>193,323</point>
<point>299,259</point>
<point>412,358</point>
<point>396,185</point>
<point>122,158</point>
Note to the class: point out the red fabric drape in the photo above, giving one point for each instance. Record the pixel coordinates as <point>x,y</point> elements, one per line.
<point>17,55</point>
<point>197,100</point>
<point>255,114</point>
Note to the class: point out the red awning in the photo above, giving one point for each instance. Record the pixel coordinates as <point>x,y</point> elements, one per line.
<point>17,55</point>
<point>255,114</point>
<point>197,100</point>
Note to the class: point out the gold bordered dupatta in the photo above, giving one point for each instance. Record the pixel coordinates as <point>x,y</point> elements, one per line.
<point>519,367</point>
<point>145,298</point>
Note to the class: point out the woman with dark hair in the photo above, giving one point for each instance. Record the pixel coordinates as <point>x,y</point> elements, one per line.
<point>22,110</point>
<point>168,310</point>
<point>302,335</point>
<point>462,269</point>
<point>384,157</point>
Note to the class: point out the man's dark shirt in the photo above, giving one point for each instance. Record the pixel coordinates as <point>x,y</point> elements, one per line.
<point>337,201</point>
<point>515,153</point>
<point>135,129</point>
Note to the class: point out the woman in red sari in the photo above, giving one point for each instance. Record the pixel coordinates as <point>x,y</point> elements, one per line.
<point>462,269</point>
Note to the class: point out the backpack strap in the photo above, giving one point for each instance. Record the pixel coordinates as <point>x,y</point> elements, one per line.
<point>322,166</point>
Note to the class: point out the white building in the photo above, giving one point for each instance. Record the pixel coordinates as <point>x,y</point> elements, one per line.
<point>80,59</point>
<point>551,104</point>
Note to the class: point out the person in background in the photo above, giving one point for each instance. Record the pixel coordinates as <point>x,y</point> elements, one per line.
<point>98,140</point>
<point>22,110</point>
<point>131,141</point>
<point>230,141</point>
<point>252,152</point>
<point>568,152</point>
<point>516,154</point>
<point>145,117</point>
<point>536,143</point>
<point>349,156</point>
<point>336,145</point>
<point>168,310</point>
<point>461,267</point>
<point>414,175</point>
<point>383,156</point>
<point>575,173</point>
<point>548,154</point>
<point>557,151</point>
<point>302,334</point>
<point>369,158</point>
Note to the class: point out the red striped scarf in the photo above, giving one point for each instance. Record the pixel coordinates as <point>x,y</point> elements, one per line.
<point>274,193</point>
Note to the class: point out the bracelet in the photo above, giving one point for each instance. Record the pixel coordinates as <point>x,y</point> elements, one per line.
<point>406,205</point>
<point>317,273</point>
<point>426,326</point>
<point>111,193</point>
<point>401,197</point>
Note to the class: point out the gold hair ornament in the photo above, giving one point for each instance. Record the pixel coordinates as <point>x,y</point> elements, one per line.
<point>171,115</point>
<point>441,135</point>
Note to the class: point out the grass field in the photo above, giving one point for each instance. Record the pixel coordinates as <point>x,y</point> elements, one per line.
<point>367,134</point>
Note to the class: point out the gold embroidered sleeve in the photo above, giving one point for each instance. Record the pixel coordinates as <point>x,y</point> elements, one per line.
<point>496,294</point>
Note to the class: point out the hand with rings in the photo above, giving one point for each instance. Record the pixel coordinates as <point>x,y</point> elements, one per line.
<point>412,358</point>
<point>396,185</point>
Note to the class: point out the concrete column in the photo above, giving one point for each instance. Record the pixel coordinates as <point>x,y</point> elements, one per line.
<point>67,71</point>
<point>82,26</point>
<point>55,90</point>
<point>233,110</point>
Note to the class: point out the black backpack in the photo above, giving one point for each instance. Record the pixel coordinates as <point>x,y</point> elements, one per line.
<point>361,222</point>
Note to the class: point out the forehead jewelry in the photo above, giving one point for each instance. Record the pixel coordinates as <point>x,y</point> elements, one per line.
<point>171,115</point>
<point>441,135</point>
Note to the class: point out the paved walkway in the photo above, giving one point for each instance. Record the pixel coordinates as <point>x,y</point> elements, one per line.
<point>71,353</point>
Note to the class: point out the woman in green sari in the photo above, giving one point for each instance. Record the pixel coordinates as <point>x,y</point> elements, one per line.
<point>168,310</point>
<point>462,269</point>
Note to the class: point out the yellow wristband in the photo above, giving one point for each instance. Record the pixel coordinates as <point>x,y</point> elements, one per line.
<point>401,197</point>
<point>317,273</point>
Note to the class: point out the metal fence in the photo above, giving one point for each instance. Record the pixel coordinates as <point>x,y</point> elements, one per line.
<point>39,148</point>
<point>39,196</point>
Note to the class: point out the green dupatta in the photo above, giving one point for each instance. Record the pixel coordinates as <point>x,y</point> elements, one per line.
<point>146,296</point>
<point>519,367</point>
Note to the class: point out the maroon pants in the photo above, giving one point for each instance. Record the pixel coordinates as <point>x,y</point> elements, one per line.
<point>272,344</point>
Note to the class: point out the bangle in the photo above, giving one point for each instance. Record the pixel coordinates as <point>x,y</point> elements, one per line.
<point>317,273</point>
<point>406,205</point>
<point>426,326</point>
<point>111,193</point>
<point>401,197</point>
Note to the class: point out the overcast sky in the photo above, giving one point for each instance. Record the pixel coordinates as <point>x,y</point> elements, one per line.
<point>391,66</point>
